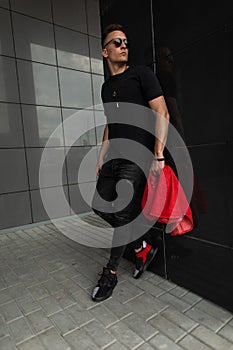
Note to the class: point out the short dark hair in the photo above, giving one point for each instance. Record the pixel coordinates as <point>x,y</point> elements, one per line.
<point>111,28</point>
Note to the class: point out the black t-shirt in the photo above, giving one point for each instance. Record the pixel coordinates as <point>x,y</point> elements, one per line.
<point>124,95</point>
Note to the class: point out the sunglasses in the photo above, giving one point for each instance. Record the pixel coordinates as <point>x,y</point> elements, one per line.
<point>117,42</point>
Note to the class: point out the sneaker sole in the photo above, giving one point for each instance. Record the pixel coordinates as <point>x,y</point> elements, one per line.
<point>150,258</point>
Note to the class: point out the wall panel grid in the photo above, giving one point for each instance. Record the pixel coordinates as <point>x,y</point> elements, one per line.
<point>51,69</point>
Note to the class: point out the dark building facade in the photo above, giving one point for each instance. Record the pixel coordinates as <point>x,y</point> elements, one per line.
<point>189,46</point>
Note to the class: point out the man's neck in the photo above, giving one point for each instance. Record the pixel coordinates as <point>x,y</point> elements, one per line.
<point>117,69</point>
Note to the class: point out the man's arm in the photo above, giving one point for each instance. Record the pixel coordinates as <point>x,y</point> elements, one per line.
<point>103,150</point>
<point>158,105</point>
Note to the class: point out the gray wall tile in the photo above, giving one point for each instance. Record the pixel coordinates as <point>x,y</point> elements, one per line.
<point>6,41</point>
<point>13,175</point>
<point>34,39</point>
<point>41,9</point>
<point>11,129</point>
<point>8,80</point>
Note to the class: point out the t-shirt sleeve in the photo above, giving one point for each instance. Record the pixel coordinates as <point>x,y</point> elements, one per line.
<point>150,84</point>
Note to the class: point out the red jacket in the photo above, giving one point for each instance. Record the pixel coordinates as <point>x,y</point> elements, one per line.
<point>165,200</point>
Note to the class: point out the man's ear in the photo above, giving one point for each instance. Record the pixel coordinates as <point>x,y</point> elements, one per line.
<point>104,53</point>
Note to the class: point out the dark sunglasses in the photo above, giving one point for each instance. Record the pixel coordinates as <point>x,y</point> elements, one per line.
<point>117,42</point>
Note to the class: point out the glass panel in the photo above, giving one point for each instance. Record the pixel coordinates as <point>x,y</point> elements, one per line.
<point>13,162</point>
<point>71,15</point>
<point>100,119</point>
<point>97,84</point>
<point>11,131</point>
<point>8,80</point>
<point>96,56</point>
<point>83,122</point>
<point>38,83</point>
<point>93,17</point>
<point>72,49</point>
<point>81,167</point>
<point>48,169</point>
<point>39,9</point>
<point>75,88</point>
<point>6,42</point>
<point>57,207</point>
<point>39,124</point>
<point>34,40</point>
<point>15,210</point>
<point>78,204</point>
<point>4,3</point>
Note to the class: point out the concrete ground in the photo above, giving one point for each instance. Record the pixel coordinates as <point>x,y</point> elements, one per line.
<point>45,283</point>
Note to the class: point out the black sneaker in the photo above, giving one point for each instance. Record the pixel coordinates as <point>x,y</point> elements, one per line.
<point>144,258</point>
<point>105,286</point>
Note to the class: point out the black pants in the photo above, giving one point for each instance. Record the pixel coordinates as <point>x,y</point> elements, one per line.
<point>111,173</point>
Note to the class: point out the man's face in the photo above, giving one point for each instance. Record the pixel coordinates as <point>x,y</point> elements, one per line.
<point>113,53</point>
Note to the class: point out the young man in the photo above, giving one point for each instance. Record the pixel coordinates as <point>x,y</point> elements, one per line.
<point>139,86</point>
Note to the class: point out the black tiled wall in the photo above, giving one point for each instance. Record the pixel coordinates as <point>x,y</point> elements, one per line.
<point>199,36</point>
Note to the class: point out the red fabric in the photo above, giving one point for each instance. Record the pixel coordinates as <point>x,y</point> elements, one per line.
<point>165,200</point>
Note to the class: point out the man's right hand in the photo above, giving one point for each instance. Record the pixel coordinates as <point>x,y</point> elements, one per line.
<point>98,167</point>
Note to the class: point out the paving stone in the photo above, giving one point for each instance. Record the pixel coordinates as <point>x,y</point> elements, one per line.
<point>64,299</point>
<point>178,303</point>
<point>227,332</point>
<point>80,340</point>
<point>28,304</point>
<point>46,273</point>
<point>3,284</point>
<point>125,335</point>
<point>191,343</point>
<point>118,308</point>
<point>146,306</point>
<point>51,339</point>
<point>10,311</point>
<point>4,330</point>
<point>5,297</point>
<point>99,334</point>
<point>63,322</point>
<point>7,343</point>
<point>82,281</point>
<point>167,327</point>
<point>162,342</point>
<point>201,317</point>
<point>28,279</point>
<point>20,330</point>
<point>149,287</point>
<point>31,344</point>
<point>167,285</point>
<point>50,305</point>
<point>38,321</point>
<point>191,298</point>
<point>80,316</point>
<point>214,310</point>
<point>178,291</point>
<point>143,328</point>
<point>211,339</point>
<point>126,291</point>
<point>83,298</point>
<point>52,285</point>
<point>104,315</point>
<point>63,274</point>
<point>117,346</point>
<point>179,319</point>
<point>146,346</point>
<point>70,286</point>
<point>38,291</point>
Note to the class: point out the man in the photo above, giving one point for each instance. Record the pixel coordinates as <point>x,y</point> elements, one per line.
<point>139,86</point>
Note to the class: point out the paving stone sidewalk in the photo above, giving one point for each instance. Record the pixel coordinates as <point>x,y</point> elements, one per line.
<point>45,283</point>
